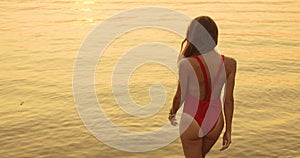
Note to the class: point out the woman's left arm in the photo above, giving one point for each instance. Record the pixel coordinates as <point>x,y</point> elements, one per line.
<point>183,73</point>
<point>176,100</point>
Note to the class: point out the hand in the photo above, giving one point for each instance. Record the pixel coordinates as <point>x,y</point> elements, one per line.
<point>172,119</point>
<point>226,140</point>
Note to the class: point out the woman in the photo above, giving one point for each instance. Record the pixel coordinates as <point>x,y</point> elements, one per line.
<point>202,74</point>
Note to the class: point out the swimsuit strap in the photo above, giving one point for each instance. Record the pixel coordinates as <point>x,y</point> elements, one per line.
<point>216,78</point>
<point>219,71</point>
<point>209,91</point>
<point>204,74</point>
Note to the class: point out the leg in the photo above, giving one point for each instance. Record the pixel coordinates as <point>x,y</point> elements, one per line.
<point>211,138</point>
<point>191,142</point>
<point>192,148</point>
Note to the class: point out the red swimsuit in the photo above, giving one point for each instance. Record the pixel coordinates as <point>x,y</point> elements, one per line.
<point>206,112</point>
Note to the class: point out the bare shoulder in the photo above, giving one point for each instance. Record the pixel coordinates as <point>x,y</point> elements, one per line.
<point>184,64</point>
<point>185,61</point>
<point>230,64</point>
<point>192,61</point>
<point>230,61</point>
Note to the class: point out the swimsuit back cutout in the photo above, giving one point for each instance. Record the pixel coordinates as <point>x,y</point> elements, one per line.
<point>203,70</point>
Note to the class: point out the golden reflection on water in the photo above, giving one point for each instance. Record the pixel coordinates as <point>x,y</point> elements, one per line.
<point>84,2</point>
<point>140,80</point>
<point>39,42</point>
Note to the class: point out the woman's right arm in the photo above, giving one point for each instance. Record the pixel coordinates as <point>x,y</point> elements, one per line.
<point>229,101</point>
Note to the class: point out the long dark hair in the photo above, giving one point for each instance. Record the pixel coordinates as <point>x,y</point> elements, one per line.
<point>195,34</point>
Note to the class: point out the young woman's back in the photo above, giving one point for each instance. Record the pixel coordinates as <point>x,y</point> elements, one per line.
<point>193,136</point>
<point>203,72</point>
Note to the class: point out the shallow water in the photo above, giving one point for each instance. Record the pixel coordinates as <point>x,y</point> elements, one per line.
<point>40,40</point>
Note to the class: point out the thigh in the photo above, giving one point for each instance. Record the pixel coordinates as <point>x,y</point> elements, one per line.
<point>210,139</point>
<point>192,148</point>
<point>191,142</point>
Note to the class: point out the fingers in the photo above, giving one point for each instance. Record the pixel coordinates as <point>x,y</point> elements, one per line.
<point>226,144</point>
<point>173,120</point>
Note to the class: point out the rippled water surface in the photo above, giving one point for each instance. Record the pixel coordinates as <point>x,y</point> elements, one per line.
<point>39,42</point>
